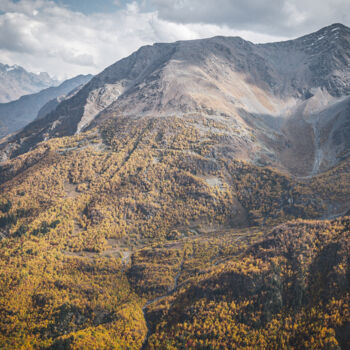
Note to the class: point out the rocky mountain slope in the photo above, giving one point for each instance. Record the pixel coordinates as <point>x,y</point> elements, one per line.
<point>269,93</point>
<point>16,114</point>
<point>193,195</point>
<point>15,82</point>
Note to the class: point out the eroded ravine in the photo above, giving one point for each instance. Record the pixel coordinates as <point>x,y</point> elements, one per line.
<point>318,154</point>
<point>159,298</point>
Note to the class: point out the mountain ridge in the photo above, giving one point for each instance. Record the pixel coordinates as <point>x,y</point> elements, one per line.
<point>256,85</point>
<point>16,114</point>
<point>15,82</point>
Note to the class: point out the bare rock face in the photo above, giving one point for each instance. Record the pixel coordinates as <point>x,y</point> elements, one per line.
<point>283,104</point>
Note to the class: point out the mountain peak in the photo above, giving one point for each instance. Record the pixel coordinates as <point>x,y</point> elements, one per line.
<point>331,32</point>
<point>15,82</point>
<point>336,26</point>
<point>334,30</point>
<point>257,87</point>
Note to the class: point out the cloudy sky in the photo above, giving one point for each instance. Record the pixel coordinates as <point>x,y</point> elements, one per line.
<point>69,37</point>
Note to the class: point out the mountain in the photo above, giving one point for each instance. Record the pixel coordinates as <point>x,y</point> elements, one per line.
<point>15,82</point>
<point>192,195</point>
<point>269,93</point>
<point>16,114</point>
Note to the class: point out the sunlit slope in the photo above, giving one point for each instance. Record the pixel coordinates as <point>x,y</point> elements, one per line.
<point>287,102</point>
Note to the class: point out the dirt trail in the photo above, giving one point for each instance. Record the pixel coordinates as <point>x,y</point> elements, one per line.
<point>114,252</point>
<point>126,257</point>
<point>70,189</point>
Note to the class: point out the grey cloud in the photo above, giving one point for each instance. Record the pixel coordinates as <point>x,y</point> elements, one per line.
<point>43,35</point>
<point>13,34</point>
<point>78,59</point>
<point>274,17</point>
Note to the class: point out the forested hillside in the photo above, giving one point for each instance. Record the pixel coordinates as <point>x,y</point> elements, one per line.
<point>132,234</point>
<point>193,195</point>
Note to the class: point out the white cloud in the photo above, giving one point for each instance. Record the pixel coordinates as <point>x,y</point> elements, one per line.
<point>43,36</point>
<point>274,17</point>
